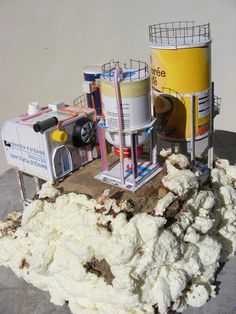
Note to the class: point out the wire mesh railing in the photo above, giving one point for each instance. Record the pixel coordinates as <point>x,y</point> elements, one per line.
<point>81,101</point>
<point>217,104</point>
<point>173,93</point>
<point>109,67</point>
<point>179,33</point>
<point>135,70</point>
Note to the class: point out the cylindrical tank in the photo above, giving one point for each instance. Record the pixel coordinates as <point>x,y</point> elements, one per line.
<point>136,104</point>
<point>181,67</point>
<point>91,73</point>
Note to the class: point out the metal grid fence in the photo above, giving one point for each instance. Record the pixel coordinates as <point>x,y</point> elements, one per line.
<point>81,101</point>
<point>178,33</point>
<point>217,104</point>
<point>135,66</point>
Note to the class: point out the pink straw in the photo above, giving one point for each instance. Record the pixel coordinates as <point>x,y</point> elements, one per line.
<point>121,138</point>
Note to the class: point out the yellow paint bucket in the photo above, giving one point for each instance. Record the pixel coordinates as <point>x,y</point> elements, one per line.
<point>181,67</point>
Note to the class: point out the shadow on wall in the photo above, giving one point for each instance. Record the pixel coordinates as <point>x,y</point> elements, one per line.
<point>225,145</point>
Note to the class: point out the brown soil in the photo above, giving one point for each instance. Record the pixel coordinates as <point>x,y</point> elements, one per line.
<point>13,223</point>
<point>24,264</point>
<point>143,200</point>
<point>101,269</point>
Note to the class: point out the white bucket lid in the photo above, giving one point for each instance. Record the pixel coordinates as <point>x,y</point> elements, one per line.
<point>93,69</point>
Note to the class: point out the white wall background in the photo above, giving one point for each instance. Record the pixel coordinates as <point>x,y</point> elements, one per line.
<point>44,45</point>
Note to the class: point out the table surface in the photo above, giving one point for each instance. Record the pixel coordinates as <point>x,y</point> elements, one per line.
<point>18,297</point>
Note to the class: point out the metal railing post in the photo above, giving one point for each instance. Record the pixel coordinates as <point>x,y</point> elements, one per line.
<point>211,129</point>
<point>193,128</point>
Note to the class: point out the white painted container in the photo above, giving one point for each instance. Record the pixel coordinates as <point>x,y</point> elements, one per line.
<point>37,153</point>
<point>136,104</point>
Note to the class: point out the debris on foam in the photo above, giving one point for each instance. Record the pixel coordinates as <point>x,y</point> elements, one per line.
<point>83,250</point>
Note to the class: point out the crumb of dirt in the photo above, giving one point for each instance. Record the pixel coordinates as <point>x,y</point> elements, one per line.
<point>176,207</point>
<point>141,251</point>
<point>173,209</point>
<point>107,226</point>
<point>24,264</point>
<point>11,224</point>
<point>100,210</point>
<point>101,269</point>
